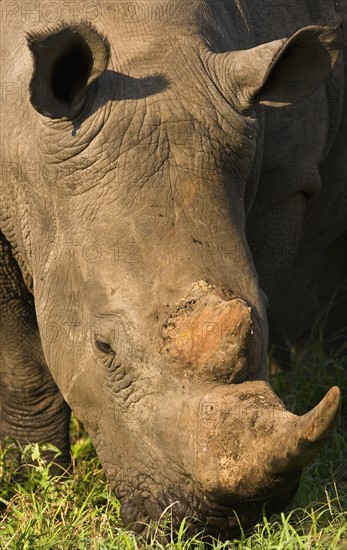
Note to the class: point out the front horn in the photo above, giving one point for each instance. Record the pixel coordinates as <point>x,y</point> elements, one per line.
<point>307,434</point>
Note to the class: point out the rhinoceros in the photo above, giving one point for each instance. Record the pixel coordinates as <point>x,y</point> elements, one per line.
<point>171,170</point>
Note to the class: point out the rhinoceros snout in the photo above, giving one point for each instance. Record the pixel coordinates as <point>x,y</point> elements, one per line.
<point>215,336</point>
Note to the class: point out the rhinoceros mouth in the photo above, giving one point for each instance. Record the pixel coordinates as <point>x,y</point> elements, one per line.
<point>214,519</point>
<point>209,518</point>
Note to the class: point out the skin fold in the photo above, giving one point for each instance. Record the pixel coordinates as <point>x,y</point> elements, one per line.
<point>173,179</point>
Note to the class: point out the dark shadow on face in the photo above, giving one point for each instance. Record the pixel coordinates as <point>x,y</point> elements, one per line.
<point>113,86</point>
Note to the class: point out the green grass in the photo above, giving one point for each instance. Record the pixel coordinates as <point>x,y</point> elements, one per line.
<point>79,511</point>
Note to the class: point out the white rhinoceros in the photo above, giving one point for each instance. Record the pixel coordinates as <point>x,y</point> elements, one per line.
<point>169,169</point>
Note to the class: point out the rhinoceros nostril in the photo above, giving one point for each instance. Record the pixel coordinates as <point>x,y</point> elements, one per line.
<point>215,337</point>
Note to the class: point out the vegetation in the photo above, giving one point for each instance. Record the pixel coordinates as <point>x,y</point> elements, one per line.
<point>78,511</point>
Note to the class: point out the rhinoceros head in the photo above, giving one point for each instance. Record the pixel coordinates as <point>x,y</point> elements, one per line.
<point>152,320</point>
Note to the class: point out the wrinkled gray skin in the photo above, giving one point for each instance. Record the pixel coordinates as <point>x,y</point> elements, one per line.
<point>144,206</point>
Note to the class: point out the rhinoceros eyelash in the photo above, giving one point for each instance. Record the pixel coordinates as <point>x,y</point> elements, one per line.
<point>104,347</point>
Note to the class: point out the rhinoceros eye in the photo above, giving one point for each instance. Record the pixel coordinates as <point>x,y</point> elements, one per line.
<point>104,347</point>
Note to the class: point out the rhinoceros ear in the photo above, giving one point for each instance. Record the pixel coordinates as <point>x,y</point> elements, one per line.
<point>277,73</point>
<point>66,61</point>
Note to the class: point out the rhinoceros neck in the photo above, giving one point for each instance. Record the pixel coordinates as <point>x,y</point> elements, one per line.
<point>223,23</point>
<point>170,11</point>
